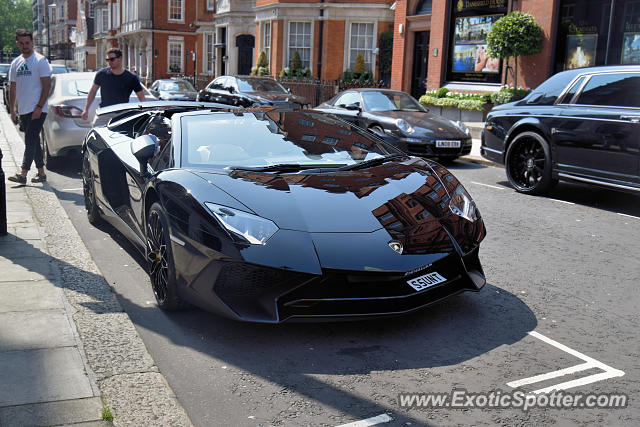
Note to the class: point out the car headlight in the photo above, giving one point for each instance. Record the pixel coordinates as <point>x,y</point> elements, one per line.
<point>461,126</point>
<point>462,205</point>
<point>247,227</point>
<point>404,126</point>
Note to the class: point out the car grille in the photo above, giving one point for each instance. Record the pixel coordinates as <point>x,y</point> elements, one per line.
<point>239,279</point>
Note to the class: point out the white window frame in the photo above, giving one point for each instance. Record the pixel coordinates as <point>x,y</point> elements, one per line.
<point>348,59</point>
<point>115,11</point>
<point>210,5</point>
<point>265,39</point>
<point>169,11</point>
<point>175,41</point>
<point>210,53</point>
<point>288,54</point>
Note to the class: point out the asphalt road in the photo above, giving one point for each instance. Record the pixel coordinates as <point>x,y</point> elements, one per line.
<point>565,266</point>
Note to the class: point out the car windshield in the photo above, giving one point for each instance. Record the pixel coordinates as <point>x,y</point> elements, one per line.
<point>259,139</point>
<point>260,85</point>
<point>390,101</point>
<point>177,86</point>
<point>76,87</point>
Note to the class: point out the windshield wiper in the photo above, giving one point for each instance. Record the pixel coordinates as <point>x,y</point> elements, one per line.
<point>373,162</point>
<point>285,167</point>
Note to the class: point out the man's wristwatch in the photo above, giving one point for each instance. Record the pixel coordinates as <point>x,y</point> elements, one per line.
<point>39,106</point>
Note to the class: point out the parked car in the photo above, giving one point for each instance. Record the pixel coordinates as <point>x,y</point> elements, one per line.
<point>173,89</point>
<point>580,124</point>
<point>64,130</point>
<point>247,91</point>
<point>401,120</point>
<point>55,69</point>
<point>280,215</point>
<point>4,72</point>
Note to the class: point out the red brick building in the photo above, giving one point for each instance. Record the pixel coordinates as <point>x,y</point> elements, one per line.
<point>442,42</point>
<point>328,35</point>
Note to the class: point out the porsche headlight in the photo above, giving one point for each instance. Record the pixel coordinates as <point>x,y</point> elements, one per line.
<point>462,205</point>
<point>404,126</point>
<point>245,226</point>
<point>461,126</point>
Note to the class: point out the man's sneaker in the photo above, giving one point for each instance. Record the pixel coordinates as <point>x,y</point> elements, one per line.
<point>18,178</point>
<point>39,178</point>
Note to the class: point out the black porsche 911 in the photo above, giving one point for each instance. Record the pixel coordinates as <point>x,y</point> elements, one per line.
<point>402,121</point>
<point>271,215</point>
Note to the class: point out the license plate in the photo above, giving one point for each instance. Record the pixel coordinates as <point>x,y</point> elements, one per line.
<point>447,144</point>
<point>425,281</point>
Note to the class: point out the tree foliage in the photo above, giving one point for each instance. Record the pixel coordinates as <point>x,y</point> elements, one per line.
<point>515,34</point>
<point>262,59</point>
<point>386,52</point>
<point>14,14</point>
<point>296,63</point>
<point>359,66</point>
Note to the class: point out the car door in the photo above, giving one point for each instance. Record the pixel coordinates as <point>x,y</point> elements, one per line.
<point>347,107</point>
<point>600,129</point>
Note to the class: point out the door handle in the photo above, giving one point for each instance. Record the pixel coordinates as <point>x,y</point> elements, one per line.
<point>632,119</point>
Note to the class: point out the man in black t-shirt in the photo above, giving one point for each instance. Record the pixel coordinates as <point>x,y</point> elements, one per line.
<point>115,84</point>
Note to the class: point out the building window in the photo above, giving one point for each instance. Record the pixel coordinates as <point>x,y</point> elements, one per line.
<point>265,39</point>
<point>210,41</point>
<point>300,41</point>
<point>176,56</point>
<point>209,4</point>
<point>91,15</point>
<point>116,15</point>
<point>176,10</point>
<point>361,41</point>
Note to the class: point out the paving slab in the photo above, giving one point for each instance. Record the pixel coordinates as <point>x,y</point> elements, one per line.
<point>66,412</point>
<point>22,249</point>
<point>22,330</point>
<point>26,296</point>
<point>43,375</point>
<point>22,269</point>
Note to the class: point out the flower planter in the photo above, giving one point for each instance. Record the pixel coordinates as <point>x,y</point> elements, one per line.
<point>461,115</point>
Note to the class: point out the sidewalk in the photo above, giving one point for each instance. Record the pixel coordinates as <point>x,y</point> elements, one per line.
<point>68,352</point>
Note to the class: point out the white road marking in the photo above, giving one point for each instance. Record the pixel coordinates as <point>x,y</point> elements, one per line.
<point>384,418</point>
<point>487,185</point>
<point>71,189</point>
<point>562,201</point>
<point>590,363</point>
<point>628,216</point>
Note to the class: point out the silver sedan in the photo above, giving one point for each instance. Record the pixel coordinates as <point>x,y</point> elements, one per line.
<point>64,130</point>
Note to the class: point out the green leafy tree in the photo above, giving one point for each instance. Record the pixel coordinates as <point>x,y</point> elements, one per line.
<point>386,53</point>
<point>515,34</point>
<point>262,59</point>
<point>14,14</point>
<point>359,67</point>
<point>296,63</point>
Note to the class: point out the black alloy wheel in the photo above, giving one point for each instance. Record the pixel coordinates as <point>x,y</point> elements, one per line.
<point>528,164</point>
<point>88,188</point>
<point>160,260</point>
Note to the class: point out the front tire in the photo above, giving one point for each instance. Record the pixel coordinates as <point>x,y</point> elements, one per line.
<point>528,164</point>
<point>162,270</point>
<point>88,187</point>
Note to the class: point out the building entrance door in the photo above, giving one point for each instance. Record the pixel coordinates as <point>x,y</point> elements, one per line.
<point>245,45</point>
<point>420,62</point>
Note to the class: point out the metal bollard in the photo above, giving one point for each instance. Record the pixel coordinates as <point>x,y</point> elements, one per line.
<point>3,201</point>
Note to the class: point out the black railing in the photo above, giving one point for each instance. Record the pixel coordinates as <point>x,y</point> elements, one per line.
<point>315,91</point>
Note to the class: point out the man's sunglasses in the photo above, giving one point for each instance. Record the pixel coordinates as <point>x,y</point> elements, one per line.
<point>112,58</point>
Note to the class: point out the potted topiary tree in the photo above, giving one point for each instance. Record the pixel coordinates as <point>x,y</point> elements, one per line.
<point>515,34</point>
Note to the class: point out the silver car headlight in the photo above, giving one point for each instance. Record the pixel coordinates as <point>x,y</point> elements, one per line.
<point>243,225</point>
<point>462,205</point>
<point>404,126</point>
<point>461,126</point>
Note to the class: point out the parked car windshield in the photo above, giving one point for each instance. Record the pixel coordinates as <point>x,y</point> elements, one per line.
<point>76,87</point>
<point>390,101</point>
<point>258,139</point>
<point>177,86</point>
<point>260,85</point>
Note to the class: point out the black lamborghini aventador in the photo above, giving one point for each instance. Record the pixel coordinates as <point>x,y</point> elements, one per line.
<point>271,215</point>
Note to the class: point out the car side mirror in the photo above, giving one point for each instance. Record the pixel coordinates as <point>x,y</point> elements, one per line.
<point>143,149</point>
<point>289,90</point>
<point>353,107</point>
<point>230,89</point>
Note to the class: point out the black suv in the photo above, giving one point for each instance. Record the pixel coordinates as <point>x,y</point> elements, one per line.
<point>581,124</point>
<point>247,91</point>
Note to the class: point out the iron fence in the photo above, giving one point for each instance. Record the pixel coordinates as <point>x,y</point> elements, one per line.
<point>315,91</point>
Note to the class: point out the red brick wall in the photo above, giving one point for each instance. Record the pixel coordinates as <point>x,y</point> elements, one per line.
<point>333,49</point>
<point>277,46</point>
<point>399,46</point>
<point>534,69</point>
<point>437,40</point>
